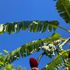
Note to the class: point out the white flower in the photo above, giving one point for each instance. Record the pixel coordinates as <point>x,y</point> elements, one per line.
<point>1,27</point>
<point>45,47</point>
<point>15,56</point>
<point>49,50</point>
<point>45,44</point>
<point>58,40</point>
<point>53,53</point>
<point>51,45</point>
<point>66,68</point>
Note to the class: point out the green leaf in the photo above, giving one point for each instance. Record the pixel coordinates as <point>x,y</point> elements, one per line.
<point>56,36</point>
<point>63,7</point>
<point>57,61</point>
<point>45,25</point>
<point>40,25</point>
<point>33,26</point>
<point>5,51</point>
<point>9,67</point>
<point>50,28</point>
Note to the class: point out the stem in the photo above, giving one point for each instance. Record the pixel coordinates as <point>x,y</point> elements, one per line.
<point>40,57</point>
<point>64,42</point>
<point>64,29</point>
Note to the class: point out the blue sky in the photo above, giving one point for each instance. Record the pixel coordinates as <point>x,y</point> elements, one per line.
<point>18,10</point>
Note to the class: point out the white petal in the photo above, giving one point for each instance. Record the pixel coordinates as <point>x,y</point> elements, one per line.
<point>45,47</point>
<point>45,44</point>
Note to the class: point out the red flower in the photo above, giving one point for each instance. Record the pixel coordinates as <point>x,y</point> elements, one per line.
<point>33,63</point>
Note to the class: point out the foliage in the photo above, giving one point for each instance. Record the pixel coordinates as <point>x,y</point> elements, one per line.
<point>50,45</point>
<point>32,26</point>
<point>63,7</point>
<point>58,61</point>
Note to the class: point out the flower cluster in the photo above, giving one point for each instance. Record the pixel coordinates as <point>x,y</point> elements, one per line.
<point>58,44</point>
<point>50,49</point>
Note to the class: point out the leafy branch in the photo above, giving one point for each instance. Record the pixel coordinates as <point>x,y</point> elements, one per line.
<point>63,7</point>
<point>57,61</point>
<point>28,49</point>
<point>32,26</point>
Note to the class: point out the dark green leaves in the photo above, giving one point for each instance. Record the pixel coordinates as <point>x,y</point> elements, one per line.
<point>10,28</point>
<point>58,61</point>
<point>32,26</point>
<point>56,36</point>
<point>63,7</point>
<point>42,26</point>
<point>27,49</point>
<point>30,48</point>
